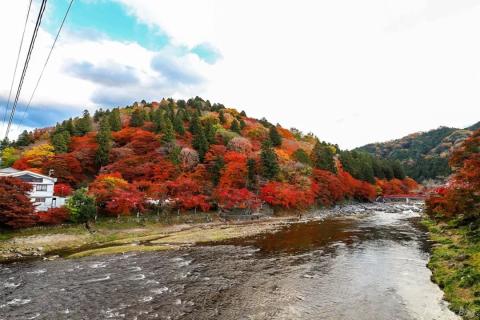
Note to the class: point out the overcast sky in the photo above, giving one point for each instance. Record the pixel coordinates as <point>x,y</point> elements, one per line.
<point>352,72</point>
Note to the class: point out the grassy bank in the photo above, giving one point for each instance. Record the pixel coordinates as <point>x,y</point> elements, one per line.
<point>455,264</point>
<point>111,236</point>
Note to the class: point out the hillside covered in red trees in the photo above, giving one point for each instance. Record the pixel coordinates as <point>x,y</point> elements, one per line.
<point>194,155</point>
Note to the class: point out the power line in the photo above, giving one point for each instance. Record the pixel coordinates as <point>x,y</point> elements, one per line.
<point>25,66</point>
<point>45,64</point>
<point>16,64</point>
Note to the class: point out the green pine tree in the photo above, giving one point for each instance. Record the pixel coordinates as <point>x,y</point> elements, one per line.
<point>216,170</point>
<point>115,121</point>
<point>270,167</point>
<point>195,124</point>
<point>70,127</point>
<point>242,124</point>
<point>178,123</point>
<point>174,155</point>
<point>251,171</point>
<point>60,141</point>
<point>200,143</point>
<point>158,120</point>
<point>168,132</point>
<point>322,157</point>
<point>84,124</point>
<point>104,140</point>
<point>137,119</point>
<point>210,132</point>
<point>398,171</point>
<point>235,126</point>
<point>24,139</point>
<point>302,156</point>
<point>275,137</point>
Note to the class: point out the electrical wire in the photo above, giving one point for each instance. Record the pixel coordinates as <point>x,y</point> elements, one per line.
<point>7,107</point>
<point>25,66</point>
<point>45,64</point>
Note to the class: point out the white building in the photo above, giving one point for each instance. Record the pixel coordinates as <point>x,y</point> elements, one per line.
<point>42,190</point>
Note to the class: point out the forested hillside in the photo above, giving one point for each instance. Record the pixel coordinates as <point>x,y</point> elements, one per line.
<point>195,155</point>
<point>424,155</point>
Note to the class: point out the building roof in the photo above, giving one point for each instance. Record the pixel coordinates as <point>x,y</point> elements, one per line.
<point>6,171</point>
<point>11,172</point>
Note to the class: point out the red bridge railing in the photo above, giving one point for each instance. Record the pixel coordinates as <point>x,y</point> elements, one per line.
<point>405,196</point>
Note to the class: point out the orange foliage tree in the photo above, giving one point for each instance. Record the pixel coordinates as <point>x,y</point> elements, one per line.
<point>280,194</point>
<point>461,196</point>
<point>115,196</point>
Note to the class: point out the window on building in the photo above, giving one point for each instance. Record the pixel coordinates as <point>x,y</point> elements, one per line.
<point>41,187</point>
<point>29,178</point>
<point>39,200</point>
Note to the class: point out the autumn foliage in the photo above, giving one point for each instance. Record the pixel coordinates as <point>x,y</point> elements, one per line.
<point>53,216</point>
<point>16,209</point>
<point>461,196</point>
<point>192,155</point>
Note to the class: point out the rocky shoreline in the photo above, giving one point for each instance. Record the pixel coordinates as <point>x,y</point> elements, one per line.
<point>52,246</point>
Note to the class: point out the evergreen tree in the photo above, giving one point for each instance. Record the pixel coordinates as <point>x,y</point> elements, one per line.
<point>174,155</point>
<point>168,132</point>
<point>242,124</point>
<point>251,169</point>
<point>275,137</point>
<point>243,114</point>
<point>158,120</point>
<point>210,132</point>
<point>115,121</point>
<point>70,127</point>
<point>270,167</point>
<point>147,115</point>
<point>301,156</point>
<point>181,104</point>
<point>216,170</point>
<point>98,114</point>
<point>377,169</point>
<point>200,143</point>
<point>84,124</point>
<point>24,139</point>
<point>322,157</point>
<point>137,119</point>
<point>235,126</point>
<point>60,141</point>
<point>104,140</point>
<point>195,124</point>
<point>178,123</point>
<point>398,170</point>
<point>388,171</point>
<point>171,111</point>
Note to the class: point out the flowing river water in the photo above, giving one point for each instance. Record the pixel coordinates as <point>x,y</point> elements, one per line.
<point>363,267</point>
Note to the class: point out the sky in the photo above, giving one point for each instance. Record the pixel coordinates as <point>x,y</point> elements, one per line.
<point>352,72</point>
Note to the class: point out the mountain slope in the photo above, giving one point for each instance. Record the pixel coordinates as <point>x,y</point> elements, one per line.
<point>424,155</point>
<point>198,155</point>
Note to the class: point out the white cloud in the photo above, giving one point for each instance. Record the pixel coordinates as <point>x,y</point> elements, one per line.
<point>383,68</point>
<point>85,72</point>
<point>188,21</point>
<point>309,63</point>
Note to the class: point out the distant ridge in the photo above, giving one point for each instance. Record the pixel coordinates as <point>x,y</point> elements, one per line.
<point>424,155</point>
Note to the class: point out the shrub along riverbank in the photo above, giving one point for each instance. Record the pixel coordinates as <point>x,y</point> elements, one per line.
<point>455,264</point>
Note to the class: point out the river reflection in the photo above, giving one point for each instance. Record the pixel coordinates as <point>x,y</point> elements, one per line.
<point>364,267</point>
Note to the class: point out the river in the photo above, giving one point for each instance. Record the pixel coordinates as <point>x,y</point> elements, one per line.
<point>363,267</point>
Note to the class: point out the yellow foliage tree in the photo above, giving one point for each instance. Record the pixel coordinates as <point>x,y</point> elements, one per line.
<point>39,154</point>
